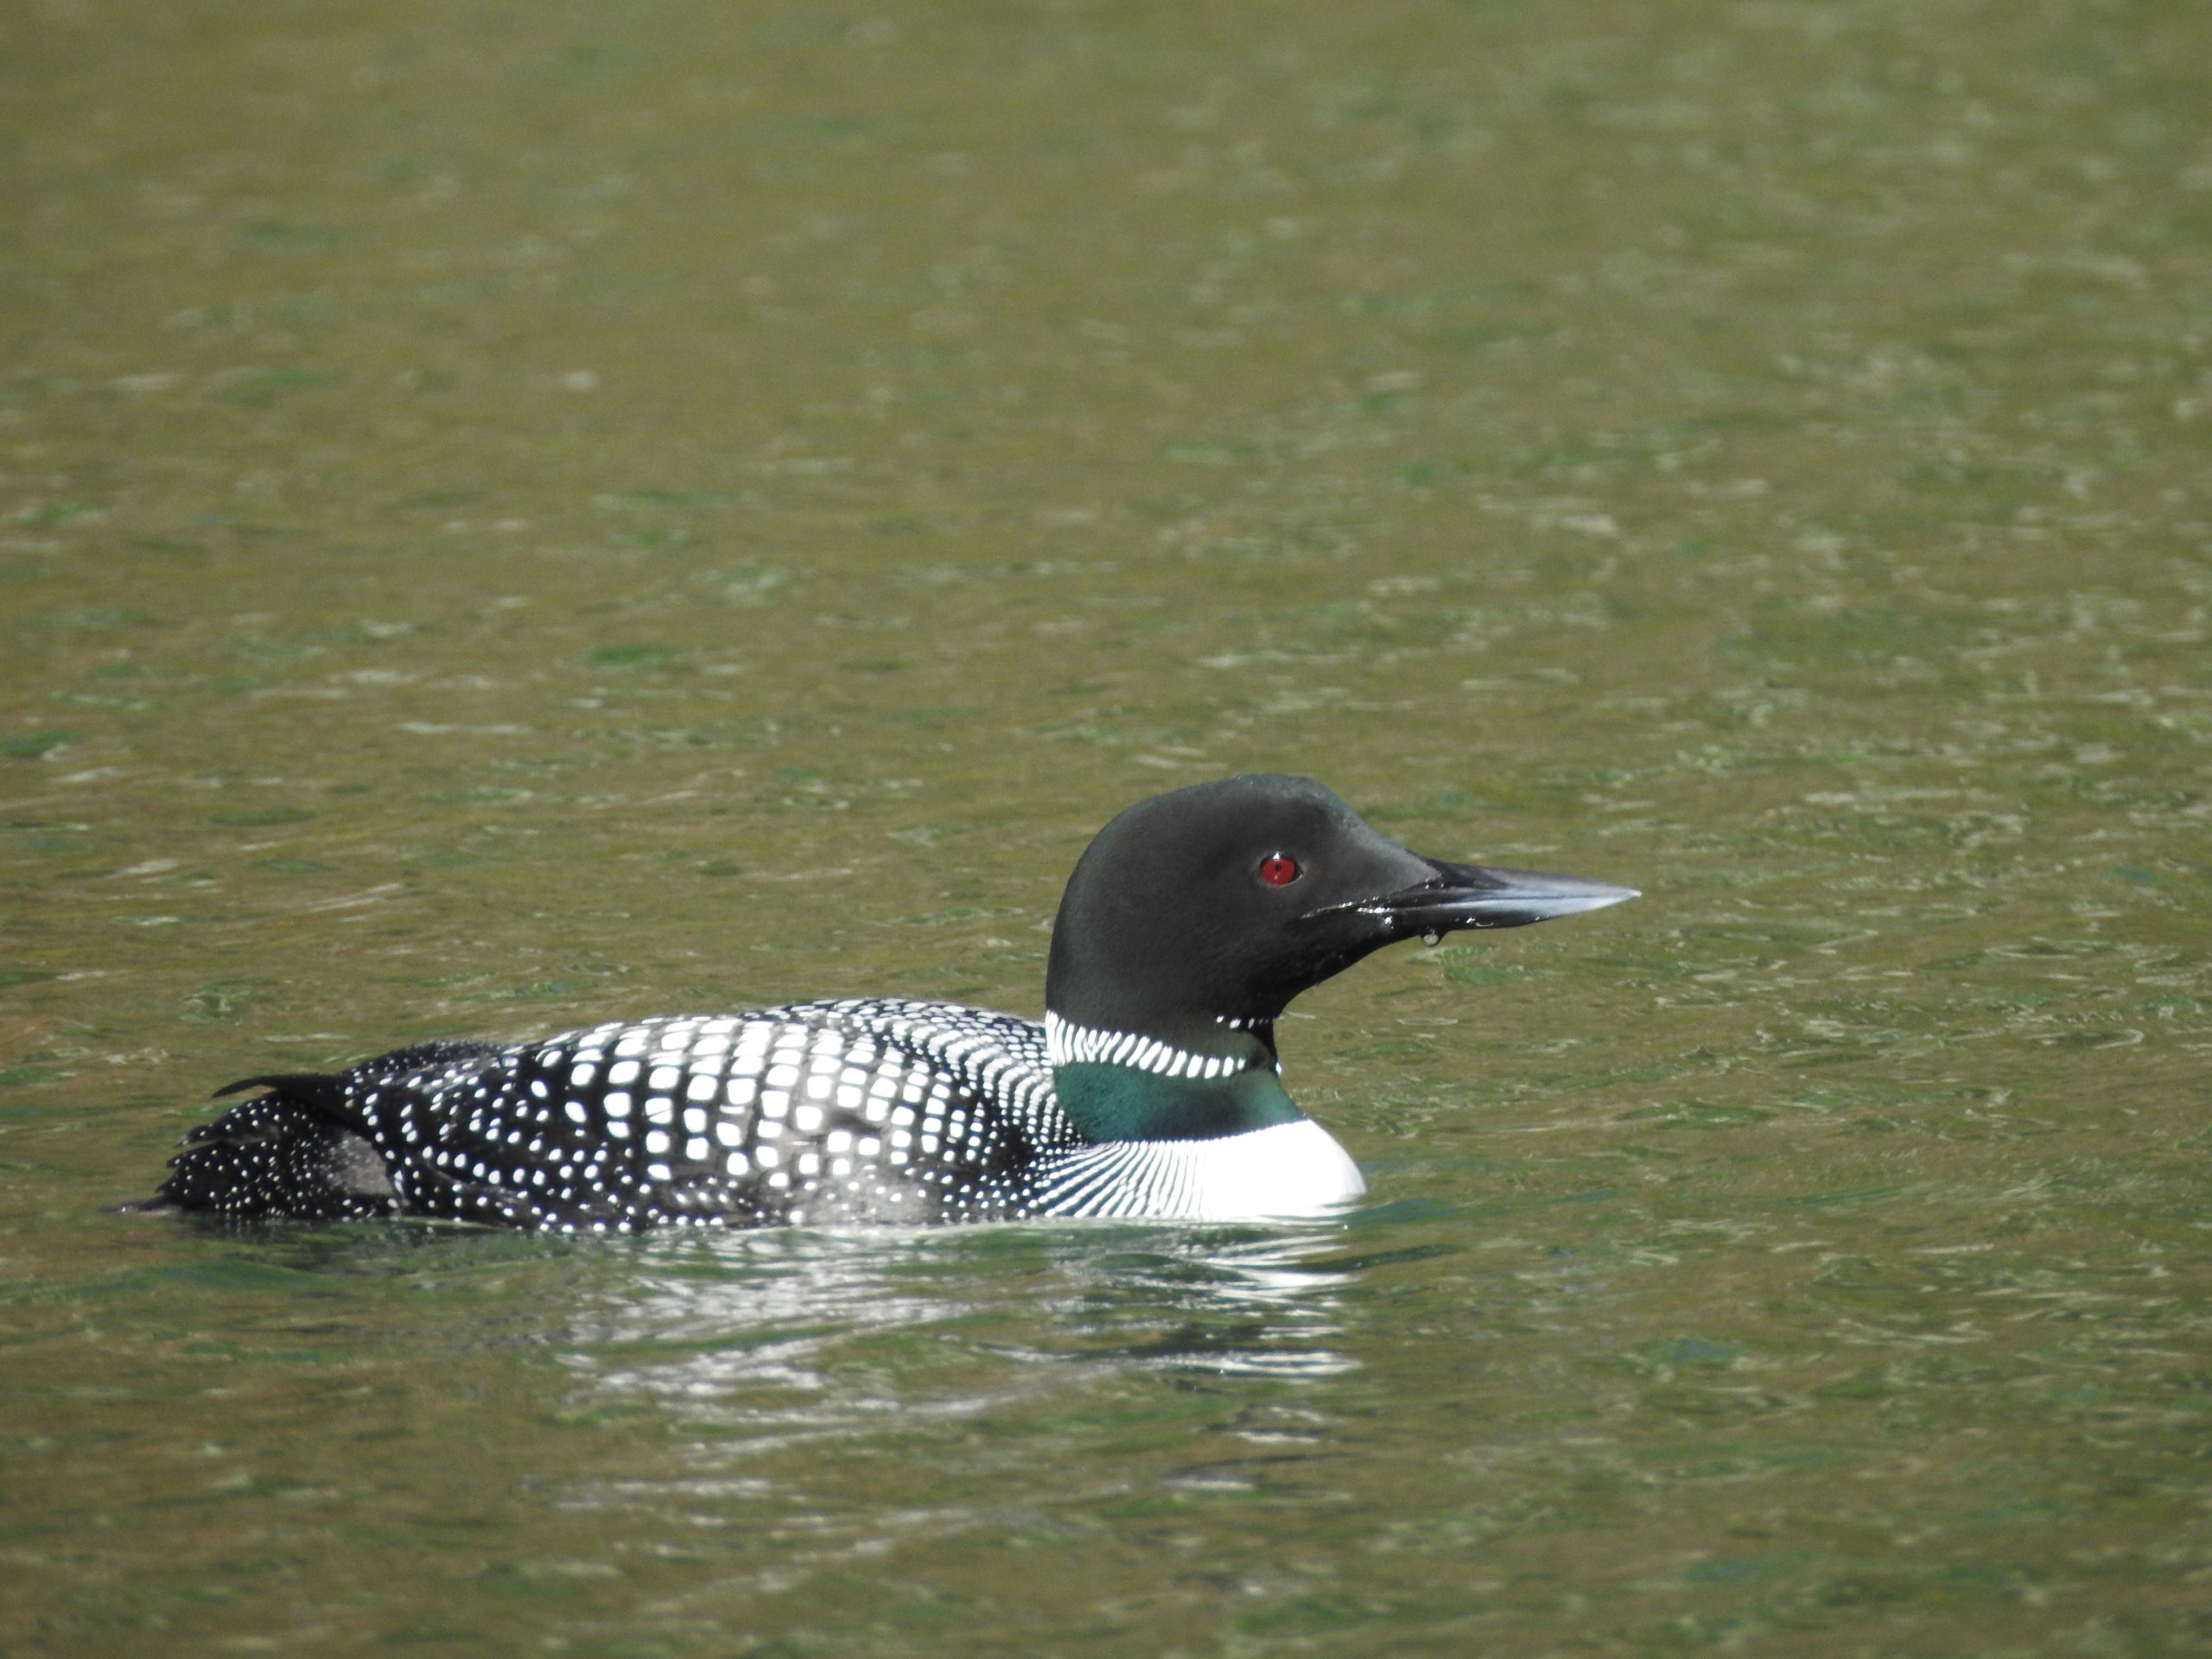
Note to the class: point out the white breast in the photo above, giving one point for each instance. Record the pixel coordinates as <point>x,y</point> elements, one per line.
<point>1285,1171</point>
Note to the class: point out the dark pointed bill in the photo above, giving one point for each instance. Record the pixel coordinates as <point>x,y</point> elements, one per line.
<point>1479,895</point>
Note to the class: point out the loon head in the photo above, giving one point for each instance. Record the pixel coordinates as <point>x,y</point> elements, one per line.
<point>1194,918</point>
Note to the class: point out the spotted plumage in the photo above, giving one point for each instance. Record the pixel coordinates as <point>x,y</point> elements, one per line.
<point>1150,1089</point>
<point>849,1111</point>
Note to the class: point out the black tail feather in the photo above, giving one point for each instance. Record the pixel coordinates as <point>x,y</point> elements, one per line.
<point>281,1081</point>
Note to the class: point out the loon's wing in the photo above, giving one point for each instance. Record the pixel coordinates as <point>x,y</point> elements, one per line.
<point>819,1112</point>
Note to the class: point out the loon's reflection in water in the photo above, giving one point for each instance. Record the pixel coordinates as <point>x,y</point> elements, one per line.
<point>1260,1303</point>
<point>826,1327</point>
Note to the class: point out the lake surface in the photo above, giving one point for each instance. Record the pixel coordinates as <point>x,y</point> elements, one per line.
<point>511,516</point>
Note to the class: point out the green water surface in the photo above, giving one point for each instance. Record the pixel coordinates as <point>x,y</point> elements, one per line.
<point>512,516</point>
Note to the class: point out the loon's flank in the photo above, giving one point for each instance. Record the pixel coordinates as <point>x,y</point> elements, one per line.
<point>1150,1090</point>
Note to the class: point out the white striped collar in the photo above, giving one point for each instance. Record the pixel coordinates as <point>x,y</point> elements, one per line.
<point>1067,1044</point>
<point>1284,1171</point>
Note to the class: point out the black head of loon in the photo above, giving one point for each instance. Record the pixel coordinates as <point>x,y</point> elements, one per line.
<point>1195,917</point>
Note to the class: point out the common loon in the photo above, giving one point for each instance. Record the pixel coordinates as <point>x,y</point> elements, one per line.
<point>1150,1090</point>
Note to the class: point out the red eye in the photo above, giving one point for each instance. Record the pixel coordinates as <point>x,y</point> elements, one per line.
<point>1278,869</point>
